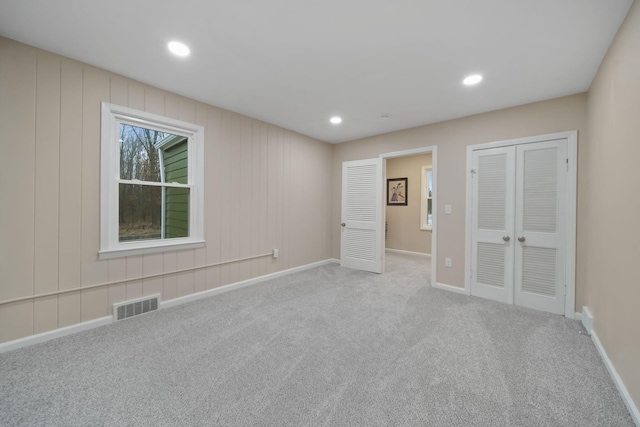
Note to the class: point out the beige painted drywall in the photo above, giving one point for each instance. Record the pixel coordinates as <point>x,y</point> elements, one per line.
<point>266,187</point>
<point>403,222</point>
<point>613,204</point>
<point>452,138</point>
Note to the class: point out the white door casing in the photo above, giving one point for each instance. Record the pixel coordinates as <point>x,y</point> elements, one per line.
<point>361,235</point>
<point>522,190</point>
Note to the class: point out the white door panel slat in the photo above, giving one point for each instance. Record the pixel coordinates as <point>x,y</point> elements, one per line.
<point>491,264</point>
<point>492,188</point>
<point>541,181</point>
<point>539,271</point>
<point>540,190</point>
<point>519,194</point>
<point>361,239</point>
<point>492,257</point>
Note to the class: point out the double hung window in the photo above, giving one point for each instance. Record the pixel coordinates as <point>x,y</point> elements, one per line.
<point>151,183</point>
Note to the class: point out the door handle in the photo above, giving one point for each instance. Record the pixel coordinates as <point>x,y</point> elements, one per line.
<point>343,224</point>
<point>506,238</point>
<point>521,239</point>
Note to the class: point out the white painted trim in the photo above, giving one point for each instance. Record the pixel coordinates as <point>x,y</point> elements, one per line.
<point>626,397</point>
<point>433,149</point>
<point>79,327</point>
<point>572,197</point>
<point>587,319</point>
<point>571,225</point>
<point>238,285</point>
<point>578,316</point>
<point>468,224</point>
<point>112,115</point>
<point>56,333</point>
<point>399,251</point>
<point>424,198</point>
<point>525,140</point>
<point>450,288</point>
<point>155,247</point>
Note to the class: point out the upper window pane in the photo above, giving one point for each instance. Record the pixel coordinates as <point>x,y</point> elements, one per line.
<point>139,157</point>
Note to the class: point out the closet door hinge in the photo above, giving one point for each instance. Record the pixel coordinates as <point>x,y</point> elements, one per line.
<point>473,173</point>
<point>567,165</point>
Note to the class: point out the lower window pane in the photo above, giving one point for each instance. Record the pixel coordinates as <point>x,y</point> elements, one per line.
<point>140,212</point>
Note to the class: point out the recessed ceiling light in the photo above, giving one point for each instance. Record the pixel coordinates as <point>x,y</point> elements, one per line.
<point>473,79</point>
<point>335,120</point>
<point>179,49</point>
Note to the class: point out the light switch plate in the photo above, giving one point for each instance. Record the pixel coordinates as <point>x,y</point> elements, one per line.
<point>447,209</point>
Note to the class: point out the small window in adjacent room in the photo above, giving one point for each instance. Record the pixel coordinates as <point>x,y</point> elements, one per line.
<point>152,183</point>
<point>426,202</point>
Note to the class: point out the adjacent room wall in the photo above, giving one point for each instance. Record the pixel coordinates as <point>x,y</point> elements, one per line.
<point>452,138</point>
<point>266,187</point>
<point>613,205</point>
<point>403,222</point>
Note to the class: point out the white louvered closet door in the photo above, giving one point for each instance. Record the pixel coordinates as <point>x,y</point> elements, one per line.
<point>361,240</point>
<point>541,209</point>
<point>493,223</point>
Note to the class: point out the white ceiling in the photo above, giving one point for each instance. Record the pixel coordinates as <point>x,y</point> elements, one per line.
<point>295,63</point>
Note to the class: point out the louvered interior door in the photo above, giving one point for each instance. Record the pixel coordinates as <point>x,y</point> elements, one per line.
<point>361,237</point>
<point>493,223</point>
<point>541,209</point>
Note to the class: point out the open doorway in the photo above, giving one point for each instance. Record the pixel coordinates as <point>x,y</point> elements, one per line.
<point>409,214</point>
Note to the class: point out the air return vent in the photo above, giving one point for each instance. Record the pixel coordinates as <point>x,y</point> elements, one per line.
<point>126,309</point>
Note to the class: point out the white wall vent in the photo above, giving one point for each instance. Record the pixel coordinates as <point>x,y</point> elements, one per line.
<point>134,307</point>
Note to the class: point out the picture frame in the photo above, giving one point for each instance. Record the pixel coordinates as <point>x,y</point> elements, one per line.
<point>397,191</point>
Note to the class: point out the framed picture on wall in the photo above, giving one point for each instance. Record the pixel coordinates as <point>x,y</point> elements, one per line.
<point>397,191</point>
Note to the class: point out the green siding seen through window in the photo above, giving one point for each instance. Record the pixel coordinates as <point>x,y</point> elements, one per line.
<point>176,199</point>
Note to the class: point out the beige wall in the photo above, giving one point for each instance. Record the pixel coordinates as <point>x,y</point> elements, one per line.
<point>452,138</point>
<point>404,221</point>
<point>613,205</point>
<point>266,188</point>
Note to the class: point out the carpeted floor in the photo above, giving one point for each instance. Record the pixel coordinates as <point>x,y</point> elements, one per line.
<point>325,347</point>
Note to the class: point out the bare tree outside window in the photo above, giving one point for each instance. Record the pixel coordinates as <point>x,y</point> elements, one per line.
<point>140,206</point>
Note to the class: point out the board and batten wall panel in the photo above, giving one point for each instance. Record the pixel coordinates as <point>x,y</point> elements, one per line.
<point>265,187</point>
<point>613,245</point>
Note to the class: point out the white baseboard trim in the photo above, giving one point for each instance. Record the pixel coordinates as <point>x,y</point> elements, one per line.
<point>56,333</point>
<point>587,319</point>
<point>578,316</point>
<point>68,330</point>
<point>238,285</point>
<point>450,288</point>
<point>626,397</point>
<point>398,251</point>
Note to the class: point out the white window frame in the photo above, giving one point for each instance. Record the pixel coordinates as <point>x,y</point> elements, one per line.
<point>110,246</point>
<point>424,198</point>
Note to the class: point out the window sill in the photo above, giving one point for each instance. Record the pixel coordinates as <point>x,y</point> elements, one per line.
<point>152,249</point>
<point>427,228</point>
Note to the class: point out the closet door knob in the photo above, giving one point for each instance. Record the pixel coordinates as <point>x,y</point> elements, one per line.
<point>506,238</point>
<point>343,224</point>
<point>521,239</point>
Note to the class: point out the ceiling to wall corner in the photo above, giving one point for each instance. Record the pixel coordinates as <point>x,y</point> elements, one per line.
<point>380,66</point>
